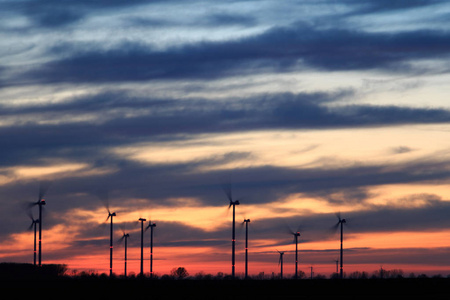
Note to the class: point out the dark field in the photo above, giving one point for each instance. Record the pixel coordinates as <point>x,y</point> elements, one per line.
<point>213,289</point>
<point>33,285</point>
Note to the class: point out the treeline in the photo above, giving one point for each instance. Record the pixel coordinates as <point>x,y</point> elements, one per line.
<point>13,271</point>
<point>181,273</point>
<point>18,271</point>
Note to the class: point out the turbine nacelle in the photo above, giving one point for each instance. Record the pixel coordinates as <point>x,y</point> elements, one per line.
<point>150,224</point>
<point>33,222</point>
<point>281,257</point>
<point>340,220</point>
<point>233,203</point>
<point>40,202</point>
<point>110,215</point>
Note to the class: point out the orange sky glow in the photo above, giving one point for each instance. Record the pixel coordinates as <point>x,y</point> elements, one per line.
<point>154,109</point>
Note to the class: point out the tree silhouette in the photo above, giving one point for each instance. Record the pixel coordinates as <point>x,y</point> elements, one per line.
<point>179,273</point>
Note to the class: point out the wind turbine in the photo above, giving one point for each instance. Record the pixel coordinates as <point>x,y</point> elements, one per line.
<point>246,221</point>
<point>151,226</point>
<point>125,237</point>
<point>41,201</point>
<point>103,196</point>
<point>296,235</point>
<point>33,224</point>
<point>142,220</point>
<point>227,190</point>
<point>280,262</point>
<point>110,215</point>
<point>341,223</point>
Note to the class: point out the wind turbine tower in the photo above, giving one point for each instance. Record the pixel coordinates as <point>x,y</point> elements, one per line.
<point>151,226</point>
<point>296,235</point>
<point>110,215</point>
<point>280,262</point>
<point>142,245</point>
<point>125,237</point>
<point>233,238</point>
<point>41,201</point>
<point>34,224</point>
<point>246,221</point>
<point>341,223</point>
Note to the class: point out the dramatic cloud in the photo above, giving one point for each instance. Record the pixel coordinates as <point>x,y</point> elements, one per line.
<point>280,49</point>
<point>306,108</point>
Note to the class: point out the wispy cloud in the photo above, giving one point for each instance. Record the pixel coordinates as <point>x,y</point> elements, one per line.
<point>279,49</point>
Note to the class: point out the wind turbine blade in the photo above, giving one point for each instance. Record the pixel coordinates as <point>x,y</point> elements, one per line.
<point>336,226</point>
<point>30,215</point>
<point>289,230</point>
<point>43,188</point>
<point>31,225</point>
<point>227,189</point>
<point>338,215</point>
<point>103,195</point>
<point>30,205</point>
<point>332,229</point>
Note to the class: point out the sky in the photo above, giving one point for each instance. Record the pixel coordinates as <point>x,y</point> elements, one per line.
<point>307,108</point>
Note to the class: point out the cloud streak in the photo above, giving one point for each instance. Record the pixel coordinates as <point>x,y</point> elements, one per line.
<point>279,49</point>
<point>148,114</point>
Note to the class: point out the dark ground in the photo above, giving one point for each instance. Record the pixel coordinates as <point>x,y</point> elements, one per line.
<point>215,289</point>
<point>50,284</point>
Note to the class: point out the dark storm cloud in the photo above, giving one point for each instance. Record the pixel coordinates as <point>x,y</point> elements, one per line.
<point>315,227</point>
<point>55,14</point>
<point>280,49</point>
<point>121,119</point>
<point>213,20</point>
<point>416,212</point>
<point>379,6</point>
<point>224,19</point>
<point>162,182</point>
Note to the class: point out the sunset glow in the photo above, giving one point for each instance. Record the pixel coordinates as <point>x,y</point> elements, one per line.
<point>303,111</point>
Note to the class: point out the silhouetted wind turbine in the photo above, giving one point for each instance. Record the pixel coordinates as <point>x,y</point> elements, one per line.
<point>151,226</point>
<point>103,196</point>
<point>227,190</point>
<point>33,224</point>
<point>110,215</point>
<point>246,221</point>
<point>125,237</point>
<point>41,201</point>
<point>280,262</point>
<point>341,223</point>
<point>296,235</point>
<point>142,245</point>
